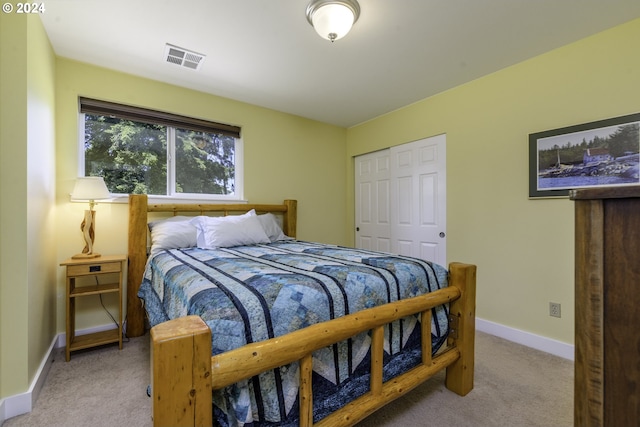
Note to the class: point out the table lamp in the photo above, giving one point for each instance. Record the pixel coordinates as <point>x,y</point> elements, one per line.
<point>89,188</point>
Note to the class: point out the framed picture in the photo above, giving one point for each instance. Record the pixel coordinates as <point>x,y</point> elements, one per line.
<point>597,154</point>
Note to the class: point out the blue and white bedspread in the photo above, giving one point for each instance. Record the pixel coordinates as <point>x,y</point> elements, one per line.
<point>251,293</point>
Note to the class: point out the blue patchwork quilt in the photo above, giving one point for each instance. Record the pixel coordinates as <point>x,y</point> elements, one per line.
<point>251,293</point>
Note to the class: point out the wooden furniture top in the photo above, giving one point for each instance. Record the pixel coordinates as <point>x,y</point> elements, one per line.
<point>96,260</point>
<point>631,191</point>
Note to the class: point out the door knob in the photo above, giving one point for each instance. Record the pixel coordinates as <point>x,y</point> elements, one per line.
<point>442,234</point>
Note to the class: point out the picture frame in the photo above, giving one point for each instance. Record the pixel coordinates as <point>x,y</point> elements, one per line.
<point>603,153</point>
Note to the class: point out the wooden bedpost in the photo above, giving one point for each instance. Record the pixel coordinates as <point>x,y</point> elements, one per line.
<point>181,373</point>
<point>289,222</point>
<point>459,377</point>
<point>137,259</point>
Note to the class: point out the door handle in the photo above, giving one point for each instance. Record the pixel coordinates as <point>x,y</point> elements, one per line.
<point>357,228</point>
<point>442,234</point>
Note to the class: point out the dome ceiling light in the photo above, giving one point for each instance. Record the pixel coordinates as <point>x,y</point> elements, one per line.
<point>332,19</point>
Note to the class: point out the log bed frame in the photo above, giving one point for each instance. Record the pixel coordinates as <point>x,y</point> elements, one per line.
<point>183,372</point>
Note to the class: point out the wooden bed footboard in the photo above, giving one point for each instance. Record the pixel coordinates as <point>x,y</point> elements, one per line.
<point>184,373</point>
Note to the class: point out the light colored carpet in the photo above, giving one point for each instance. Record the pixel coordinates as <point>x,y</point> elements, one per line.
<point>514,386</point>
<point>103,386</point>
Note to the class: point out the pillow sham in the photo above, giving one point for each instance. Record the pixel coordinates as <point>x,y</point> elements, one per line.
<point>172,233</point>
<point>227,231</point>
<point>272,228</point>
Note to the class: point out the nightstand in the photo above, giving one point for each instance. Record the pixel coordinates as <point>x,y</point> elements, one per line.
<point>105,276</point>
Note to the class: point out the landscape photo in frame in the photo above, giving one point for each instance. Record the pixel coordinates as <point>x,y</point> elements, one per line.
<point>604,153</point>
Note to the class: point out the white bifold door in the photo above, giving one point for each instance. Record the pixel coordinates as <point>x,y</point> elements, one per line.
<point>401,200</point>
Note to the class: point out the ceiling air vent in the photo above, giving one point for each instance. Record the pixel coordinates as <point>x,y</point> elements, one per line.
<point>183,57</point>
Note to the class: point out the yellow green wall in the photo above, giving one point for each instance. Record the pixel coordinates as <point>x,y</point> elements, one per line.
<point>523,248</point>
<point>27,188</point>
<point>284,157</point>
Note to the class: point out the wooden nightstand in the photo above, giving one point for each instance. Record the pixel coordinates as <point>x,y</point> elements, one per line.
<point>109,269</point>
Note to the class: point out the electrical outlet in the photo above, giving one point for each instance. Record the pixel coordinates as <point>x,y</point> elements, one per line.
<point>554,309</point>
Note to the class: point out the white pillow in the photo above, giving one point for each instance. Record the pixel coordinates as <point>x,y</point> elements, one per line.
<point>227,231</point>
<point>271,227</point>
<point>172,233</point>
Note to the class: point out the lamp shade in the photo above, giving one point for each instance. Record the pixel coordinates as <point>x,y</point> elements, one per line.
<point>90,188</point>
<point>332,20</point>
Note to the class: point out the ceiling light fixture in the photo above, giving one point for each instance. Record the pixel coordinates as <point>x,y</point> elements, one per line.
<point>332,19</point>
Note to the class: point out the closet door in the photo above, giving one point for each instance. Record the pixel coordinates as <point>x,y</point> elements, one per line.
<point>418,202</point>
<point>373,227</point>
<point>401,200</point>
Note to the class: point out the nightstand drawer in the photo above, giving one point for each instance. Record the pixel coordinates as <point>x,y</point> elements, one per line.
<point>99,267</point>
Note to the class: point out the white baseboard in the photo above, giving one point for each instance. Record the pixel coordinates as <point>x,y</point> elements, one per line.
<point>22,403</point>
<point>548,345</point>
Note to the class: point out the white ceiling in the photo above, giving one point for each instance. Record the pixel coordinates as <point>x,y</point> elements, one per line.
<point>264,52</point>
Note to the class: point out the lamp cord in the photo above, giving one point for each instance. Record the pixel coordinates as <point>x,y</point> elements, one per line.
<point>108,312</point>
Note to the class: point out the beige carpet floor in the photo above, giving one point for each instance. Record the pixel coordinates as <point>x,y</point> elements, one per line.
<point>514,386</point>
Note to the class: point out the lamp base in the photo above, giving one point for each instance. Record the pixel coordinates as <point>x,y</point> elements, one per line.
<point>86,256</point>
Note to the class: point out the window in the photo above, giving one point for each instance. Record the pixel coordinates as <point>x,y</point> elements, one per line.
<point>142,151</point>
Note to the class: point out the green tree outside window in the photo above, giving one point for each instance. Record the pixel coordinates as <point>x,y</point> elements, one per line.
<point>135,157</point>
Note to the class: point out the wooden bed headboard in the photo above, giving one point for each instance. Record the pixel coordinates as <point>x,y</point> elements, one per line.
<point>138,228</point>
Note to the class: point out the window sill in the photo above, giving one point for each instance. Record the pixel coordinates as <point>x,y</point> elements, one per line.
<point>123,199</point>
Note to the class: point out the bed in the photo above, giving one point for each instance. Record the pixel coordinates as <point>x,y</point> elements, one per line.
<point>284,331</point>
